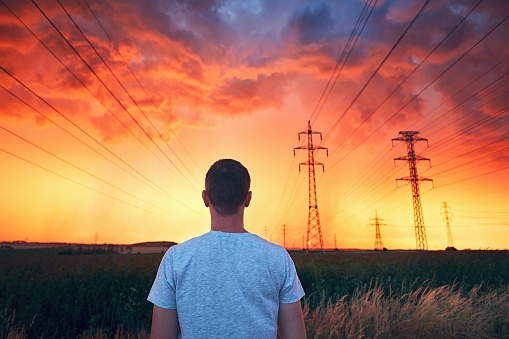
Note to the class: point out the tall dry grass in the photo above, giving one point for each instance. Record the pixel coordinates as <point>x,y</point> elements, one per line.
<point>442,312</point>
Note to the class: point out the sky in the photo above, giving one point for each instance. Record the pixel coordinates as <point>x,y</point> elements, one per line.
<point>112,112</point>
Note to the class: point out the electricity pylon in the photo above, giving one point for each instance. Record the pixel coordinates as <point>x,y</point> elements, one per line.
<point>96,236</point>
<point>379,245</point>
<point>409,137</point>
<point>447,219</point>
<point>284,235</point>
<point>314,239</point>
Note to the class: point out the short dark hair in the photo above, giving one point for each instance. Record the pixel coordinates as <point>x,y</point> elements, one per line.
<point>227,184</point>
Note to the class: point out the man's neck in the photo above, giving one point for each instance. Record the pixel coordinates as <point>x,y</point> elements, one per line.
<point>230,223</point>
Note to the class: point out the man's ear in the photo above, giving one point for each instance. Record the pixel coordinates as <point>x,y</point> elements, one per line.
<point>248,199</point>
<point>205,198</point>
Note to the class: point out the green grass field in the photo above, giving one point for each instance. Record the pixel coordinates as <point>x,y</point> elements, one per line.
<point>348,294</point>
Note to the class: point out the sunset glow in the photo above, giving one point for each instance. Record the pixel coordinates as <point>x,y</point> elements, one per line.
<point>112,112</point>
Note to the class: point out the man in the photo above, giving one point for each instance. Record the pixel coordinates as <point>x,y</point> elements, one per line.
<point>227,283</point>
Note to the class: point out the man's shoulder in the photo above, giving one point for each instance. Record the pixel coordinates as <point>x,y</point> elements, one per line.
<point>192,242</point>
<point>259,246</point>
<point>265,243</point>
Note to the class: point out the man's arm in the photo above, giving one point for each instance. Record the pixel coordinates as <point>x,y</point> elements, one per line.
<point>164,323</point>
<point>290,321</point>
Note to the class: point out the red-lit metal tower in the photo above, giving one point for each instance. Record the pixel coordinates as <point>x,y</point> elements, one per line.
<point>447,219</point>
<point>409,137</point>
<point>314,232</point>
<point>379,245</point>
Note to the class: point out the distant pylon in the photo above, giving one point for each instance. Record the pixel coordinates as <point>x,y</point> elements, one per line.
<point>284,235</point>
<point>409,137</point>
<point>379,245</point>
<point>314,231</point>
<point>447,219</point>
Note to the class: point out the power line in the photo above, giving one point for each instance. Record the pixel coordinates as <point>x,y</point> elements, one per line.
<point>292,192</point>
<point>473,177</point>
<point>78,167</point>
<point>463,168</point>
<point>455,62</point>
<point>130,97</point>
<point>347,50</point>
<point>368,116</point>
<point>482,148</point>
<point>447,69</point>
<point>83,131</point>
<point>327,135</point>
<point>80,184</point>
<point>284,193</point>
<point>144,90</point>
<point>426,87</point>
<point>35,35</point>
<point>430,83</point>
<point>481,93</point>
<point>101,81</point>
<point>80,81</point>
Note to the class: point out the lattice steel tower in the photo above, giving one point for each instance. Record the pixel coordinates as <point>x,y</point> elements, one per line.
<point>379,245</point>
<point>409,137</point>
<point>447,219</point>
<point>314,232</point>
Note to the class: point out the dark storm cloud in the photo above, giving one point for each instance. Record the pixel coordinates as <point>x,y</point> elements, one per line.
<point>312,23</point>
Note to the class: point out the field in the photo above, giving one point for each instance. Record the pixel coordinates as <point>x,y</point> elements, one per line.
<point>348,294</point>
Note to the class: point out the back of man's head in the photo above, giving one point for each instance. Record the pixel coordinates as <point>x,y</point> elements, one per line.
<point>227,184</point>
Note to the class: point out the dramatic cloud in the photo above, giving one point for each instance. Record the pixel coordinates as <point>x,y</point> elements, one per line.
<point>229,58</point>
<point>312,23</point>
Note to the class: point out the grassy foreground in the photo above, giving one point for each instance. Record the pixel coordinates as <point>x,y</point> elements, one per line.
<point>348,294</point>
<point>441,312</point>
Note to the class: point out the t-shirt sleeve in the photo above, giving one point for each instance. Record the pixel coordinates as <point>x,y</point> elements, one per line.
<point>162,293</point>
<point>292,290</point>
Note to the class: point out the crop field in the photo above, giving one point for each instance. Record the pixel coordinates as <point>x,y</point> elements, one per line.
<point>369,294</point>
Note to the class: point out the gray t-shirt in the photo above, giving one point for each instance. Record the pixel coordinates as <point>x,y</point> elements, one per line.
<point>226,285</point>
